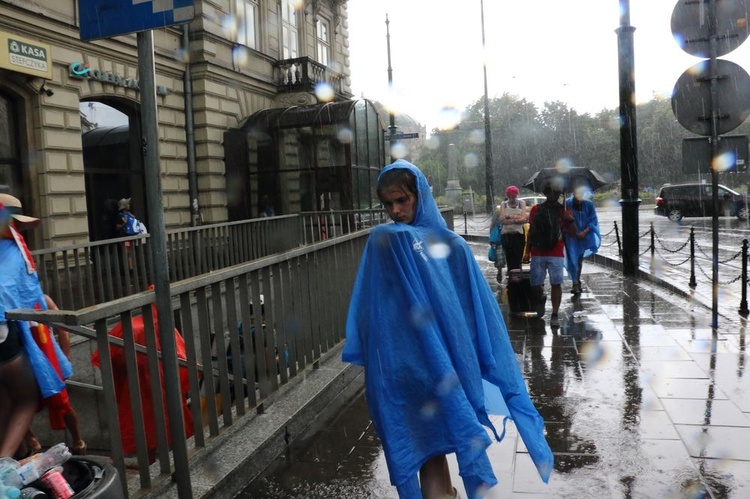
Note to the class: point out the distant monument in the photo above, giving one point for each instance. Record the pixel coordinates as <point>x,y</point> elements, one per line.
<point>453,189</point>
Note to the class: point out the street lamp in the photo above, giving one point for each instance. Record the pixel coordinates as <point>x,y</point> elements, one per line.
<point>487,132</point>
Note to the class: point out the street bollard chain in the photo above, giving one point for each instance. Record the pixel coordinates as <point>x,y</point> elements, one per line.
<point>676,264</point>
<point>661,243</point>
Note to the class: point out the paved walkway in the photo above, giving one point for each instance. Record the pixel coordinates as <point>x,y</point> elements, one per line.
<point>641,398</point>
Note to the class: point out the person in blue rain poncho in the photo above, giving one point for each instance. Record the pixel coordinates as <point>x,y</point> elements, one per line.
<point>427,328</point>
<point>587,238</point>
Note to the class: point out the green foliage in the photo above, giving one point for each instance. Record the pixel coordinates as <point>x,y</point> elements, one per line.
<point>525,139</point>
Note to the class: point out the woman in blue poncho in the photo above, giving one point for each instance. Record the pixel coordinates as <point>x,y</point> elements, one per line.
<point>587,238</point>
<point>425,325</point>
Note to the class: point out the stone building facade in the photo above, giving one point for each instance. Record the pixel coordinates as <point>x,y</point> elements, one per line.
<point>242,56</point>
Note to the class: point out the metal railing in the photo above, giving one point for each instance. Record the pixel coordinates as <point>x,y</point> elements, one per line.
<point>83,275</point>
<point>248,329</point>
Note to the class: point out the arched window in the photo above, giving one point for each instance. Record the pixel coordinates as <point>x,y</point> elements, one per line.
<point>10,156</point>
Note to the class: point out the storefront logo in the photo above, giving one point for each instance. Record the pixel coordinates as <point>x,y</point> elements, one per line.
<point>83,71</point>
<point>25,56</point>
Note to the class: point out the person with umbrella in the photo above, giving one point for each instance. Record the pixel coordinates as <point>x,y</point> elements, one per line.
<point>587,237</point>
<point>548,222</point>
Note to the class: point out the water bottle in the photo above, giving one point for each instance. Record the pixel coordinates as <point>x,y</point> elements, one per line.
<point>9,492</point>
<point>36,466</point>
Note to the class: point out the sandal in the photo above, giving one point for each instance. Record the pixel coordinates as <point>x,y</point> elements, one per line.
<point>79,450</point>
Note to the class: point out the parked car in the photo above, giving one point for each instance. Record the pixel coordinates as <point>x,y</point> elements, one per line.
<point>532,200</point>
<point>694,200</point>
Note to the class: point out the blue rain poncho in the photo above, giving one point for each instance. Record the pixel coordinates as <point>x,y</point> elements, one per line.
<point>574,247</point>
<point>427,328</point>
<point>20,289</point>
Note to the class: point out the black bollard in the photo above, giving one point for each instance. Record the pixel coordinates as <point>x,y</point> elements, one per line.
<point>743,311</point>
<point>619,245</point>
<point>653,240</point>
<point>693,284</point>
<point>466,224</point>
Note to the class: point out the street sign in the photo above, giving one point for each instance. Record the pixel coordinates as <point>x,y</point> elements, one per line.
<point>731,154</point>
<point>105,18</point>
<point>401,136</point>
<point>691,28</point>
<point>691,99</point>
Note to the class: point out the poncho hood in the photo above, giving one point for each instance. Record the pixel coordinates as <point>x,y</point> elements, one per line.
<point>426,326</point>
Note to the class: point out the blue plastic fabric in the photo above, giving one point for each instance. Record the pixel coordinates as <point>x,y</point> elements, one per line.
<point>21,290</point>
<point>574,247</point>
<point>426,326</point>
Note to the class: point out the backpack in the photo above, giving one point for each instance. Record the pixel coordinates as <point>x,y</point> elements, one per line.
<point>545,229</point>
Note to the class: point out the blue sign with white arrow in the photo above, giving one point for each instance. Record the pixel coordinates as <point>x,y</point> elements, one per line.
<point>105,18</point>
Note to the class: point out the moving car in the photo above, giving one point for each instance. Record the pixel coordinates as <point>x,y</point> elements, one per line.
<point>694,200</point>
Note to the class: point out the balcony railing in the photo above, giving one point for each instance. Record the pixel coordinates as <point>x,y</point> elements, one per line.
<point>303,75</point>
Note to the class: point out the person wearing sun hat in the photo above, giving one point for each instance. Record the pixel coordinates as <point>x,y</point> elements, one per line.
<point>15,209</point>
<point>37,358</point>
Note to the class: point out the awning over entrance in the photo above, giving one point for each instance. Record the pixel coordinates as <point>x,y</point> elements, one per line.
<point>305,158</point>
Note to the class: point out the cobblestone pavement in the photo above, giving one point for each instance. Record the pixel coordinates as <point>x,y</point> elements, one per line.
<point>640,397</point>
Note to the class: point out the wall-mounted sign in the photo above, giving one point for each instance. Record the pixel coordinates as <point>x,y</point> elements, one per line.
<point>83,71</point>
<point>25,56</point>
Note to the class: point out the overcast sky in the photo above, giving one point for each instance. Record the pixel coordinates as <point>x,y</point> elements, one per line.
<point>541,50</point>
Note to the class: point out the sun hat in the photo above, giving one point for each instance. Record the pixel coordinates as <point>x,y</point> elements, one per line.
<point>13,205</point>
<point>123,203</point>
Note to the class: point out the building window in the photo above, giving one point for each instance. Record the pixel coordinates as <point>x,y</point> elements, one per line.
<point>247,23</point>
<point>289,35</point>
<point>324,43</point>
<point>10,161</point>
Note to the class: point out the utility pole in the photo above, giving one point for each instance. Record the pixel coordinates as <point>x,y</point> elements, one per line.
<point>488,174</point>
<point>391,116</point>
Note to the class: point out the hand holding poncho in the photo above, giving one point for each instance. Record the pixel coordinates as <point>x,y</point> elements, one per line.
<point>426,326</point>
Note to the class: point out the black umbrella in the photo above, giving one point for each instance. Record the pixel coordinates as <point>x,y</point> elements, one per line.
<point>566,179</point>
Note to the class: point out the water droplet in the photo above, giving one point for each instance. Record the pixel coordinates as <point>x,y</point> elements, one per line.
<point>324,92</point>
<point>438,250</point>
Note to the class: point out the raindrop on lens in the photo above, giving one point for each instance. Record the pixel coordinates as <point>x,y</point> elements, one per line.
<point>471,160</point>
<point>428,410</point>
<point>476,136</point>
<point>240,55</point>
<point>398,150</point>
<point>723,162</point>
<point>324,92</point>
<point>438,250</point>
<point>345,136</point>
<point>432,143</point>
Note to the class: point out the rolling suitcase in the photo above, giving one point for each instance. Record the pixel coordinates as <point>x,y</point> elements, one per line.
<point>521,297</point>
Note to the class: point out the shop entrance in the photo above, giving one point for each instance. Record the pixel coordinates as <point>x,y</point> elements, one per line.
<point>113,164</point>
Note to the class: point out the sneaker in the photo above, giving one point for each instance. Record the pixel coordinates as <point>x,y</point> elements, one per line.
<point>554,320</point>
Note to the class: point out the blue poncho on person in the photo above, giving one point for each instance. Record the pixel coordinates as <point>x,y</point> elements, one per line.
<point>424,323</point>
<point>585,217</point>
<point>20,289</point>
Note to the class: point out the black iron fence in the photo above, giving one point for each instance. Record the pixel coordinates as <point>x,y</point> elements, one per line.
<point>248,329</point>
<point>691,252</point>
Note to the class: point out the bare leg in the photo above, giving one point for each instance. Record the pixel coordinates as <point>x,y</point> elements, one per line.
<point>71,423</point>
<point>18,379</point>
<point>556,297</point>
<point>435,478</point>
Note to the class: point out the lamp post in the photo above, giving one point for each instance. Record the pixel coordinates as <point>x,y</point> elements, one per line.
<point>487,131</point>
<point>628,143</point>
<point>391,116</point>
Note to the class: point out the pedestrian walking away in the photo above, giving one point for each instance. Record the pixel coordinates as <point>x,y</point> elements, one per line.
<point>586,238</point>
<point>424,323</point>
<point>548,222</point>
<point>513,216</point>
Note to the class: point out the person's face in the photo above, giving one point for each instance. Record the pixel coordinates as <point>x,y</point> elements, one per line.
<point>400,204</point>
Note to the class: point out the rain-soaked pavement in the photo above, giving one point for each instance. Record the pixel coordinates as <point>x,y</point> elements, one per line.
<point>640,399</point>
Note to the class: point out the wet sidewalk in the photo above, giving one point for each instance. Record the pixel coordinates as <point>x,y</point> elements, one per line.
<point>640,399</point>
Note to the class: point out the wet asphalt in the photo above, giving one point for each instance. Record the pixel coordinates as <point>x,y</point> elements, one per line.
<point>641,399</point>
